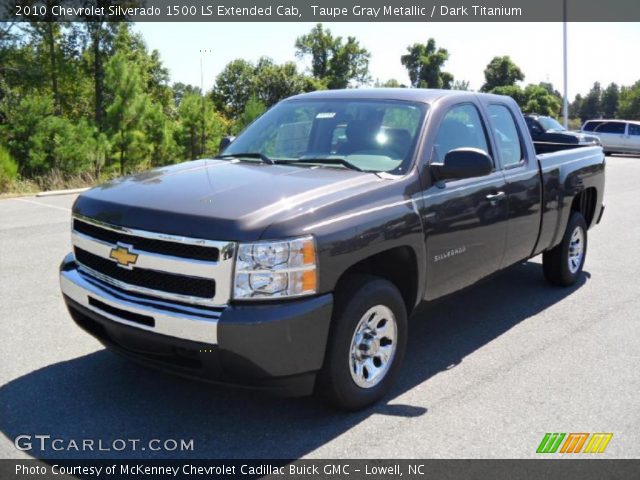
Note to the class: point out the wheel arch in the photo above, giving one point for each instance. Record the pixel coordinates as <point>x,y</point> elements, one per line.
<point>585,203</point>
<point>399,265</point>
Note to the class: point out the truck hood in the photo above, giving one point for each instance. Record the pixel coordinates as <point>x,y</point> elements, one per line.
<point>220,199</point>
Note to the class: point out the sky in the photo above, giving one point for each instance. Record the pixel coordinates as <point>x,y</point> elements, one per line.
<point>601,52</point>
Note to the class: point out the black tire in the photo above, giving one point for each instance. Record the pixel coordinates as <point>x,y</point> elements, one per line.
<point>355,296</point>
<point>555,262</point>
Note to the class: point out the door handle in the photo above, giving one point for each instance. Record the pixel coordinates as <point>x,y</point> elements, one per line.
<point>494,197</point>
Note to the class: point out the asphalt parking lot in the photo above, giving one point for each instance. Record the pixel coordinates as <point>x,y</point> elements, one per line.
<point>488,371</point>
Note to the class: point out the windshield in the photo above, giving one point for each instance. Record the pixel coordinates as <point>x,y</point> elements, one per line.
<point>549,123</point>
<point>372,135</point>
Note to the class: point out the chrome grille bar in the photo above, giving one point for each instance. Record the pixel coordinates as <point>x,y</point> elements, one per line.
<point>220,270</point>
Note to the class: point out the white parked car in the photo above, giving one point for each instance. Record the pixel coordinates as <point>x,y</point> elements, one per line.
<point>616,136</point>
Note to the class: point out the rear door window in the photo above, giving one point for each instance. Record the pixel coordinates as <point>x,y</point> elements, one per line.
<point>461,127</point>
<point>634,129</point>
<point>611,127</point>
<point>505,133</point>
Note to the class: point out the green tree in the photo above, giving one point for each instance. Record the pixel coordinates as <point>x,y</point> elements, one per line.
<point>234,86</point>
<point>391,83</point>
<point>252,110</point>
<point>127,113</point>
<point>539,100</point>
<point>268,81</point>
<point>44,58</point>
<point>65,146</point>
<point>23,128</point>
<point>514,91</point>
<point>461,85</point>
<point>335,62</point>
<point>155,76</point>
<point>591,105</point>
<point>98,149</point>
<point>160,134</point>
<point>610,99</point>
<point>532,99</point>
<point>273,82</point>
<point>575,107</point>
<point>100,34</point>
<point>47,35</point>
<point>8,169</point>
<point>319,44</point>
<point>195,141</point>
<point>548,86</point>
<point>217,127</point>
<point>190,131</point>
<point>501,72</point>
<point>180,90</point>
<point>41,142</point>
<point>424,63</point>
<point>629,106</point>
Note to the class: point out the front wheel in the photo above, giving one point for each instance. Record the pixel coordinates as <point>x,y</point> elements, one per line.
<point>562,265</point>
<point>367,343</point>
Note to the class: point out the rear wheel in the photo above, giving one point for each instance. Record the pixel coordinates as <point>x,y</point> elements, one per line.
<point>366,345</point>
<point>563,264</point>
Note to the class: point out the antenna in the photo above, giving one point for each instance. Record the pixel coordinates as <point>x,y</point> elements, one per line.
<point>203,113</point>
<point>565,102</point>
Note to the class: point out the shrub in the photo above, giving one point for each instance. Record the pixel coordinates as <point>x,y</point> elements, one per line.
<point>8,169</point>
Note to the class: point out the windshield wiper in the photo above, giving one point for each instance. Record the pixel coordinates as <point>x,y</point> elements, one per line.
<point>328,161</point>
<point>258,155</point>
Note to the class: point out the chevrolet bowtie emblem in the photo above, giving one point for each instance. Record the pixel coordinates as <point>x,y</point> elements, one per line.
<point>123,256</point>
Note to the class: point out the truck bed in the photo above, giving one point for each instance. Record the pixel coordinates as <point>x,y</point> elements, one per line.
<point>564,174</point>
<point>551,147</point>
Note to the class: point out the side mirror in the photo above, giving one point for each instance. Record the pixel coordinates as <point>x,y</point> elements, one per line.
<point>225,142</point>
<point>463,163</point>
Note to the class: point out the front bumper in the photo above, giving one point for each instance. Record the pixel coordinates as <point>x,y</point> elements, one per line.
<point>276,346</point>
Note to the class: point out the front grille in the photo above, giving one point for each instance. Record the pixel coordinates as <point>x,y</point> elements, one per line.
<point>176,249</point>
<point>150,279</point>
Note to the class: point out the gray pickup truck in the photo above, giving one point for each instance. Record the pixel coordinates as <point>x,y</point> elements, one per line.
<point>292,261</point>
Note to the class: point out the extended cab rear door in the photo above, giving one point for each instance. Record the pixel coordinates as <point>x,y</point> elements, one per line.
<point>612,135</point>
<point>465,220</point>
<point>632,143</point>
<point>518,161</point>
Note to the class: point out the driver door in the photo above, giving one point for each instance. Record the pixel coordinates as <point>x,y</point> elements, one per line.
<point>465,220</point>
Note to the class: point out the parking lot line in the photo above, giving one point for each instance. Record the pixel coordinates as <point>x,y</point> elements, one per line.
<point>64,209</point>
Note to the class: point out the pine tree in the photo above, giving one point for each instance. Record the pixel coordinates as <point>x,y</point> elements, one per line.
<point>127,113</point>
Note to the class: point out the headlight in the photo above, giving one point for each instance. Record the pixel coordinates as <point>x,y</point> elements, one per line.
<point>266,270</point>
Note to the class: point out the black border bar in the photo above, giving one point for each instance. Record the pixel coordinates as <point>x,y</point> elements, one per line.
<point>321,10</point>
<point>548,469</point>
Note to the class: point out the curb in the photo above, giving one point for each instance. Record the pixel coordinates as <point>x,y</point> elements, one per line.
<point>52,193</point>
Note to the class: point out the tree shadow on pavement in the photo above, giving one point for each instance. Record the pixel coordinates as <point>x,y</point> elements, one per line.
<point>101,396</point>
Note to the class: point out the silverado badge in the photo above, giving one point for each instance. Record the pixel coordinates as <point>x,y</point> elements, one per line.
<point>123,256</point>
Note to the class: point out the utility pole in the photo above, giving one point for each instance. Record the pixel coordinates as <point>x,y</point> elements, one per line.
<point>565,103</point>
<point>202,138</point>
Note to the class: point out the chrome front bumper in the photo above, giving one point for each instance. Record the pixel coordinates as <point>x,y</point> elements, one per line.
<point>168,318</point>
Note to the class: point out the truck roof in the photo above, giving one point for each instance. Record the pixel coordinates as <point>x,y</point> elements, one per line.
<point>621,120</point>
<point>425,95</point>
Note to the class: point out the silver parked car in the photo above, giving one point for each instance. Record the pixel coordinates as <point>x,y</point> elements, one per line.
<point>616,136</point>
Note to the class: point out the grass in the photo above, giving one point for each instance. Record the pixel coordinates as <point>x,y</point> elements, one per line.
<point>53,180</point>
